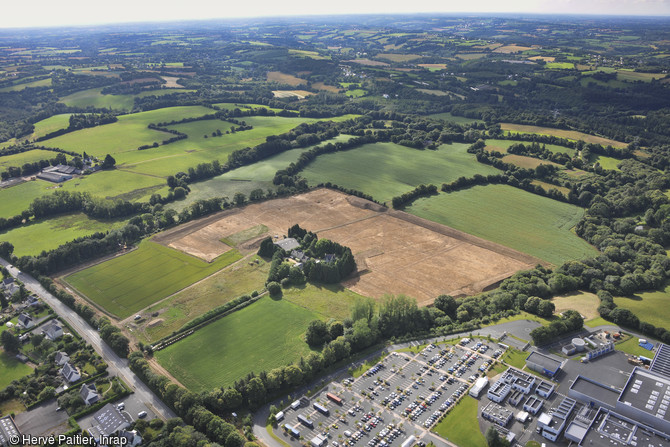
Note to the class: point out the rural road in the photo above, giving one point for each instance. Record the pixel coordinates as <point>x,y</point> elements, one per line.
<point>117,366</point>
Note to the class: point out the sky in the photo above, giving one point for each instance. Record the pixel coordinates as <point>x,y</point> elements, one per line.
<point>41,13</point>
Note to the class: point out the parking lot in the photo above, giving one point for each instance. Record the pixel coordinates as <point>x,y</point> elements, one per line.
<point>404,395</point>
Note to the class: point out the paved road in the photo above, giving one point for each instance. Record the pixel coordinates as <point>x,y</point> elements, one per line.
<point>117,366</point>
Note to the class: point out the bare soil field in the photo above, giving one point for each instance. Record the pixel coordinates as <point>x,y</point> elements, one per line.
<point>300,94</point>
<point>395,252</point>
<point>284,78</point>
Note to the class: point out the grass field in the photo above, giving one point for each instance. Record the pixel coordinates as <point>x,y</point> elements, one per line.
<point>460,425</point>
<point>11,369</point>
<point>453,118</point>
<point>94,98</point>
<point>246,178</point>
<point>133,281</point>
<point>583,302</point>
<point>606,162</point>
<point>651,307</point>
<point>385,170</point>
<point>515,358</point>
<point>49,234</point>
<point>127,134</point>
<point>262,336</point>
<point>20,159</point>
<point>502,146</point>
<point>117,184</point>
<point>16,198</point>
<point>561,133</point>
<point>560,65</point>
<point>226,285</point>
<point>330,300</point>
<point>32,84</point>
<point>526,222</point>
<point>548,186</point>
<point>632,346</point>
<point>523,161</point>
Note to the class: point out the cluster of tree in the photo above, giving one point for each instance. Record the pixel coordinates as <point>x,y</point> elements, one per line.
<point>177,136</point>
<point>316,268</point>
<point>407,198</point>
<point>113,337</point>
<point>570,321</point>
<point>194,408</point>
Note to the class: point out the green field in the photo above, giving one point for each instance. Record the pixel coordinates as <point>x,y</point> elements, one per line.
<point>606,162</point>
<point>651,307</point>
<point>262,336</point>
<point>94,98</point>
<point>330,300</point>
<point>18,87</point>
<point>246,178</point>
<point>117,184</point>
<point>30,240</point>
<point>447,116</point>
<point>460,425</point>
<point>11,369</point>
<point>560,65</point>
<point>509,216</point>
<point>385,170</point>
<point>131,282</point>
<point>127,134</point>
<point>21,158</point>
<point>231,282</point>
<point>502,146</point>
<point>632,346</point>
<point>16,198</point>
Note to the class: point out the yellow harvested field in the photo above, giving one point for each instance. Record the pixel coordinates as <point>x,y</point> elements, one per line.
<point>171,82</point>
<point>369,62</point>
<point>399,57</point>
<point>583,302</point>
<point>508,49</point>
<point>527,162</point>
<point>395,252</point>
<point>326,88</point>
<point>283,78</point>
<point>300,94</point>
<point>432,92</point>
<point>561,133</point>
<point>470,56</point>
<point>542,58</point>
<point>434,66</point>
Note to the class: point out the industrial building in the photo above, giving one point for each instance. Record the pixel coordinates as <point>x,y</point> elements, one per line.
<point>549,366</point>
<point>497,414</point>
<point>553,423</point>
<point>519,380</point>
<point>545,389</point>
<point>8,430</point>
<point>499,391</point>
<point>533,405</point>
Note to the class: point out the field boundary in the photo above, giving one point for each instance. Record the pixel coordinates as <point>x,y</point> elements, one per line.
<point>466,237</point>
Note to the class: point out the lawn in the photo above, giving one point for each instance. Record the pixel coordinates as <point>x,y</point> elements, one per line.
<point>632,346</point>
<point>583,302</point>
<point>231,282</point>
<point>385,170</point>
<point>11,369</point>
<point>131,282</point>
<point>523,221</point>
<point>260,337</point>
<point>460,425</point>
<point>651,307</point>
<point>30,240</point>
<point>514,357</point>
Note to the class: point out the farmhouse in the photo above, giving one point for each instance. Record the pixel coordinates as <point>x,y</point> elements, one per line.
<point>26,321</point>
<point>52,330</point>
<point>108,420</point>
<point>61,358</point>
<point>288,244</point>
<point>70,373</point>
<point>8,430</point>
<point>89,394</point>
<point>55,177</point>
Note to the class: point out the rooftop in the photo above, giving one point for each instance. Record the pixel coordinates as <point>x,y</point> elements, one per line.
<point>7,430</point>
<point>110,420</point>
<point>603,393</point>
<point>661,363</point>
<point>648,392</point>
<point>288,244</point>
<point>611,430</point>
<point>546,362</point>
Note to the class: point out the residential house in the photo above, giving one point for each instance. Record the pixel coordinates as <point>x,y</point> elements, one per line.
<point>329,258</point>
<point>70,373</point>
<point>61,358</point>
<point>89,394</point>
<point>107,421</point>
<point>133,438</point>
<point>26,321</point>
<point>52,330</point>
<point>6,282</point>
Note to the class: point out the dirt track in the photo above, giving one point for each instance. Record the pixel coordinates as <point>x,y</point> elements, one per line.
<point>396,252</point>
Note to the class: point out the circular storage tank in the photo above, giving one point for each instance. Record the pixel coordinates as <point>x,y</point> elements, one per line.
<point>579,344</point>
